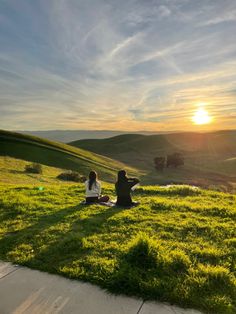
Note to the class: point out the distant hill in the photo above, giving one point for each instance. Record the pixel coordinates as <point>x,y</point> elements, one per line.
<point>214,143</point>
<point>66,136</point>
<point>209,157</point>
<point>58,155</point>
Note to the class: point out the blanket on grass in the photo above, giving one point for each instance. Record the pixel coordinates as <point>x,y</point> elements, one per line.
<point>109,203</point>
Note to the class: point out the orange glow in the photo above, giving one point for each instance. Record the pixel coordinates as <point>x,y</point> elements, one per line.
<point>201,116</point>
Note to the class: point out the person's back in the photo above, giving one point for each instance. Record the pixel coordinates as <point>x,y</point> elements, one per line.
<point>123,189</point>
<point>93,190</point>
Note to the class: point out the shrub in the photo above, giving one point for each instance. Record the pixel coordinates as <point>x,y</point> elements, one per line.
<point>71,176</point>
<point>34,168</point>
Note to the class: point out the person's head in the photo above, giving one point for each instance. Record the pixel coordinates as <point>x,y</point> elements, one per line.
<point>92,178</point>
<point>121,176</point>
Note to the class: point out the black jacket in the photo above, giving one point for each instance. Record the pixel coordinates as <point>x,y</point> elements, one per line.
<point>123,189</point>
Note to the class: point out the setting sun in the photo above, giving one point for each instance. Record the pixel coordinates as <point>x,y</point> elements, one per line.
<point>201,116</point>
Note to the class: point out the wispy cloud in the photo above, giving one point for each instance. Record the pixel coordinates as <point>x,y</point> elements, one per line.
<point>122,45</point>
<point>117,64</point>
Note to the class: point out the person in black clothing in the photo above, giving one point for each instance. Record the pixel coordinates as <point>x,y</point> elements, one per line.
<point>123,189</point>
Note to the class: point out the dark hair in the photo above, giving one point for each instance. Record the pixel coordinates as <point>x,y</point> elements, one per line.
<point>92,178</point>
<point>121,176</point>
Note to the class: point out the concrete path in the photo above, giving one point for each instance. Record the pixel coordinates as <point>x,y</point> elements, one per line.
<point>27,291</point>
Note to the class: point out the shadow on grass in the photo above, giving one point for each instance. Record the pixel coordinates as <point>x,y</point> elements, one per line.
<point>68,247</point>
<point>95,222</point>
<point>17,171</point>
<point>10,240</point>
<point>50,253</point>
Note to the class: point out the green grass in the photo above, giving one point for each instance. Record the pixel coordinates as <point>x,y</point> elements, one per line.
<point>178,245</point>
<point>12,171</point>
<point>58,155</point>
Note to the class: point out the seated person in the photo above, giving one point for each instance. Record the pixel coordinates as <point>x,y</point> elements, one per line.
<point>93,190</point>
<point>123,188</point>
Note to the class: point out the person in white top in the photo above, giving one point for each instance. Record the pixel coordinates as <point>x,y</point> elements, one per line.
<point>93,190</point>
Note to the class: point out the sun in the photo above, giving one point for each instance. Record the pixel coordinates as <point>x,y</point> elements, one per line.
<point>201,116</point>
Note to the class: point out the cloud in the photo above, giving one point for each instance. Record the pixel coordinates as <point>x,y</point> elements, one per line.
<point>228,17</point>
<point>164,11</point>
<point>116,64</point>
<point>123,44</point>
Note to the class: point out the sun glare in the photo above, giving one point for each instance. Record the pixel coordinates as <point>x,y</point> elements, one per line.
<point>201,116</point>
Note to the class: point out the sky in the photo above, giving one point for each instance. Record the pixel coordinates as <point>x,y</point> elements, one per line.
<point>122,65</point>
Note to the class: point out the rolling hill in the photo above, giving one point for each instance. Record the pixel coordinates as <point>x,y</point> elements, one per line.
<point>57,155</point>
<point>177,245</point>
<point>210,158</point>
<point>66,136</point>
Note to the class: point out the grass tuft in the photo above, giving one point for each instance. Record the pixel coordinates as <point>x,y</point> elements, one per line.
<point>142,252</point>
<point>177,261</point>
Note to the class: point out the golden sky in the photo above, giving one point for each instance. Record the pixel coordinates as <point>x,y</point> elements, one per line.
<point>122,65</point>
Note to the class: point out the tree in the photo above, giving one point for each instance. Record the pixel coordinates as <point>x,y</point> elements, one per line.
<point>175,160</point>
<point>159,163</point>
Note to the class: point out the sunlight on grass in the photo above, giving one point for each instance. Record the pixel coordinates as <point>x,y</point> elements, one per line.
<point>177,246</point>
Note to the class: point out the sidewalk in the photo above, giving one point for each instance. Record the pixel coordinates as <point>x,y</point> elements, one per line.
<point>27,291</point>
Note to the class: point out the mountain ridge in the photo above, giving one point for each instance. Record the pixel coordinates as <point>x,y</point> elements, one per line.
<point>66,136</point>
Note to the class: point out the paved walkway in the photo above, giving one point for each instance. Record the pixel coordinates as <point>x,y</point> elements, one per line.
<point>27,291</point>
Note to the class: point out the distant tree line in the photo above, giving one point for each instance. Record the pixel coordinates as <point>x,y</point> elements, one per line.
<point>174,160</point>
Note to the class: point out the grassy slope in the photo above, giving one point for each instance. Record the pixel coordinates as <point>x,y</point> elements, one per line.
<point>12,171</point>
<point>178,245</point>
<point>209,157</point>
<point>57,155</point>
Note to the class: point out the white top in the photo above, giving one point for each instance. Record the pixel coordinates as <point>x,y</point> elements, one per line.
<point>95,189</point>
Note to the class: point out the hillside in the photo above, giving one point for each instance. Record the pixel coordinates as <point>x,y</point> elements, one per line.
<point>177,246</point>
<point>216,143</point>
<point>209,157</point>
<point>12,171</point>
<point>57,155</point>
